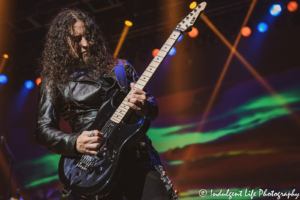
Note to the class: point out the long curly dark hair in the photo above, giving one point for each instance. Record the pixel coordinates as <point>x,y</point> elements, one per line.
<point>57,62</point>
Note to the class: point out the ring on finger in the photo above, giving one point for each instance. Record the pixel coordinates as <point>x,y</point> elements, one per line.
<point>91,134</point>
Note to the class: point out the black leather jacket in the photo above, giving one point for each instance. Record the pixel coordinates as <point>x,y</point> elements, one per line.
<point>78,104</point>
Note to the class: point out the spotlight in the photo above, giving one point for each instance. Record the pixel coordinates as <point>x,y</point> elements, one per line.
<point>172,51</point>
<point>3,79</point>
<point>180,38</point>
<point>246,31</point>
<point>262,27</point>
<point>29,84</point>
<point>154,52</point>
<point>275,10</point>
<point>292,6</point>
<point>128,23</point>
<point>193,5</point>
<point>5,56</point>
<point>38,81</point>
<point>194,32</point>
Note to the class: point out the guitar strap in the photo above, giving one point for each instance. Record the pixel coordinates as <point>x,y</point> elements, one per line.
<point>121,75</point>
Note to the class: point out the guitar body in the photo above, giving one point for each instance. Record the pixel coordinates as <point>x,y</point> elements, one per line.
<point>102,177</point>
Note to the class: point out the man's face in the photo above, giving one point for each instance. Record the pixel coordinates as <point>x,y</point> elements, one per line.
<point>80,47</point>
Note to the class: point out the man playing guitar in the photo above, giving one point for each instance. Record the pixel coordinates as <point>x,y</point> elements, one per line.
<point>77,71</point>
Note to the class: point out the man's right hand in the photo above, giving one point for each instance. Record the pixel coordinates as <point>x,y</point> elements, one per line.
<point>86,144</point>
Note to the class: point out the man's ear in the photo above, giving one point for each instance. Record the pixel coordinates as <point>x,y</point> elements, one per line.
<point>73,51</point>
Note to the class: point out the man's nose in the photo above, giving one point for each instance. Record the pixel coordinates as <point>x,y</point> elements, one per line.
<point>83,42</point>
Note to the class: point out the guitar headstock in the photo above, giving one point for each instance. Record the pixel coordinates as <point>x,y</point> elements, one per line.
<point>186,24</point>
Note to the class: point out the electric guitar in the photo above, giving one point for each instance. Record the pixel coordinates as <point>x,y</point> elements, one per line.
<point>95,176</point>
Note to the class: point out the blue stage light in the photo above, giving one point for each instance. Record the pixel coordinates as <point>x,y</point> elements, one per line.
<point>29,85</point>
<point>262,27</point>
<point>172,51</point>
<point>275,10</point>
<point>3,79</point>
<point>180,38</point>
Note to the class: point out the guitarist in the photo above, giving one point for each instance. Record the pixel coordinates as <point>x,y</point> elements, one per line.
<point>77,70</point>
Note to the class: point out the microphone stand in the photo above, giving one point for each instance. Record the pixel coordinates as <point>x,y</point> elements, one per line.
<point>11,161</point>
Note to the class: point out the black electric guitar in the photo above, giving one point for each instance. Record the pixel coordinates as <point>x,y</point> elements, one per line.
<point>95,176</point>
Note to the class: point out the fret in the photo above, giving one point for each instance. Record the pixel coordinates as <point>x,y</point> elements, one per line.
<point>158,58</point>
<point>151,69</point>
<point>161,54</point>
<point>115,120</point>
<point>170,42</point>
<point>122,109</point>
<point>174,35</point>
<point>124,103</point>
<point>150,72</point>
<point>138,86</point>
<point>166,48</point>
<point>154,64</point>
<point>144,78</point>
<point>147,73</point>
<point>118,116</point>
<point>124,106</point>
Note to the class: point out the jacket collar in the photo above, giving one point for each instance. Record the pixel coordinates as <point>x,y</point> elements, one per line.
<point>81,76</point>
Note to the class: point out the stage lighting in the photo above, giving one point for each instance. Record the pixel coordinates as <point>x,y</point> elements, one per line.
<point>38,81</point>
<point>5,56</point>
<point>128,23</point>
<point>193,5</point>
<point>292,6</point>
<point>3,79</point>
<point>154,52</point>
<point>172,51</point>
<point>275,10</point>
<point>29,84</point>
<point>262,27</point>
<point>246,31</point>
<point>180,38</point>
<point>194,32</point>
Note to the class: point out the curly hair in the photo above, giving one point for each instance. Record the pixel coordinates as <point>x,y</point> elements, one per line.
<point>57,62</point>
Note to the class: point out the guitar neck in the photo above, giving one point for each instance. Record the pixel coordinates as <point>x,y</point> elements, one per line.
<point>147,75</point>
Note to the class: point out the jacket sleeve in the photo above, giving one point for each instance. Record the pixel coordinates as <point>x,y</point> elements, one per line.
<point>47,133</point>
<point>132,76</point>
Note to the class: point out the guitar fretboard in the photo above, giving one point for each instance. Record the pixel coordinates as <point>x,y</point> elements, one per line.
<point>147,75</point>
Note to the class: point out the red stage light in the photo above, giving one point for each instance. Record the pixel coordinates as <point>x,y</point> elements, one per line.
<point>38,81</point>
<point>154,52</point>
<point>194,32</point>
<point>246,31</point>
<point>292,6</point>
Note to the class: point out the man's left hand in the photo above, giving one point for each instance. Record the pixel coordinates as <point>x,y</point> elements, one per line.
<point>138,101</point>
